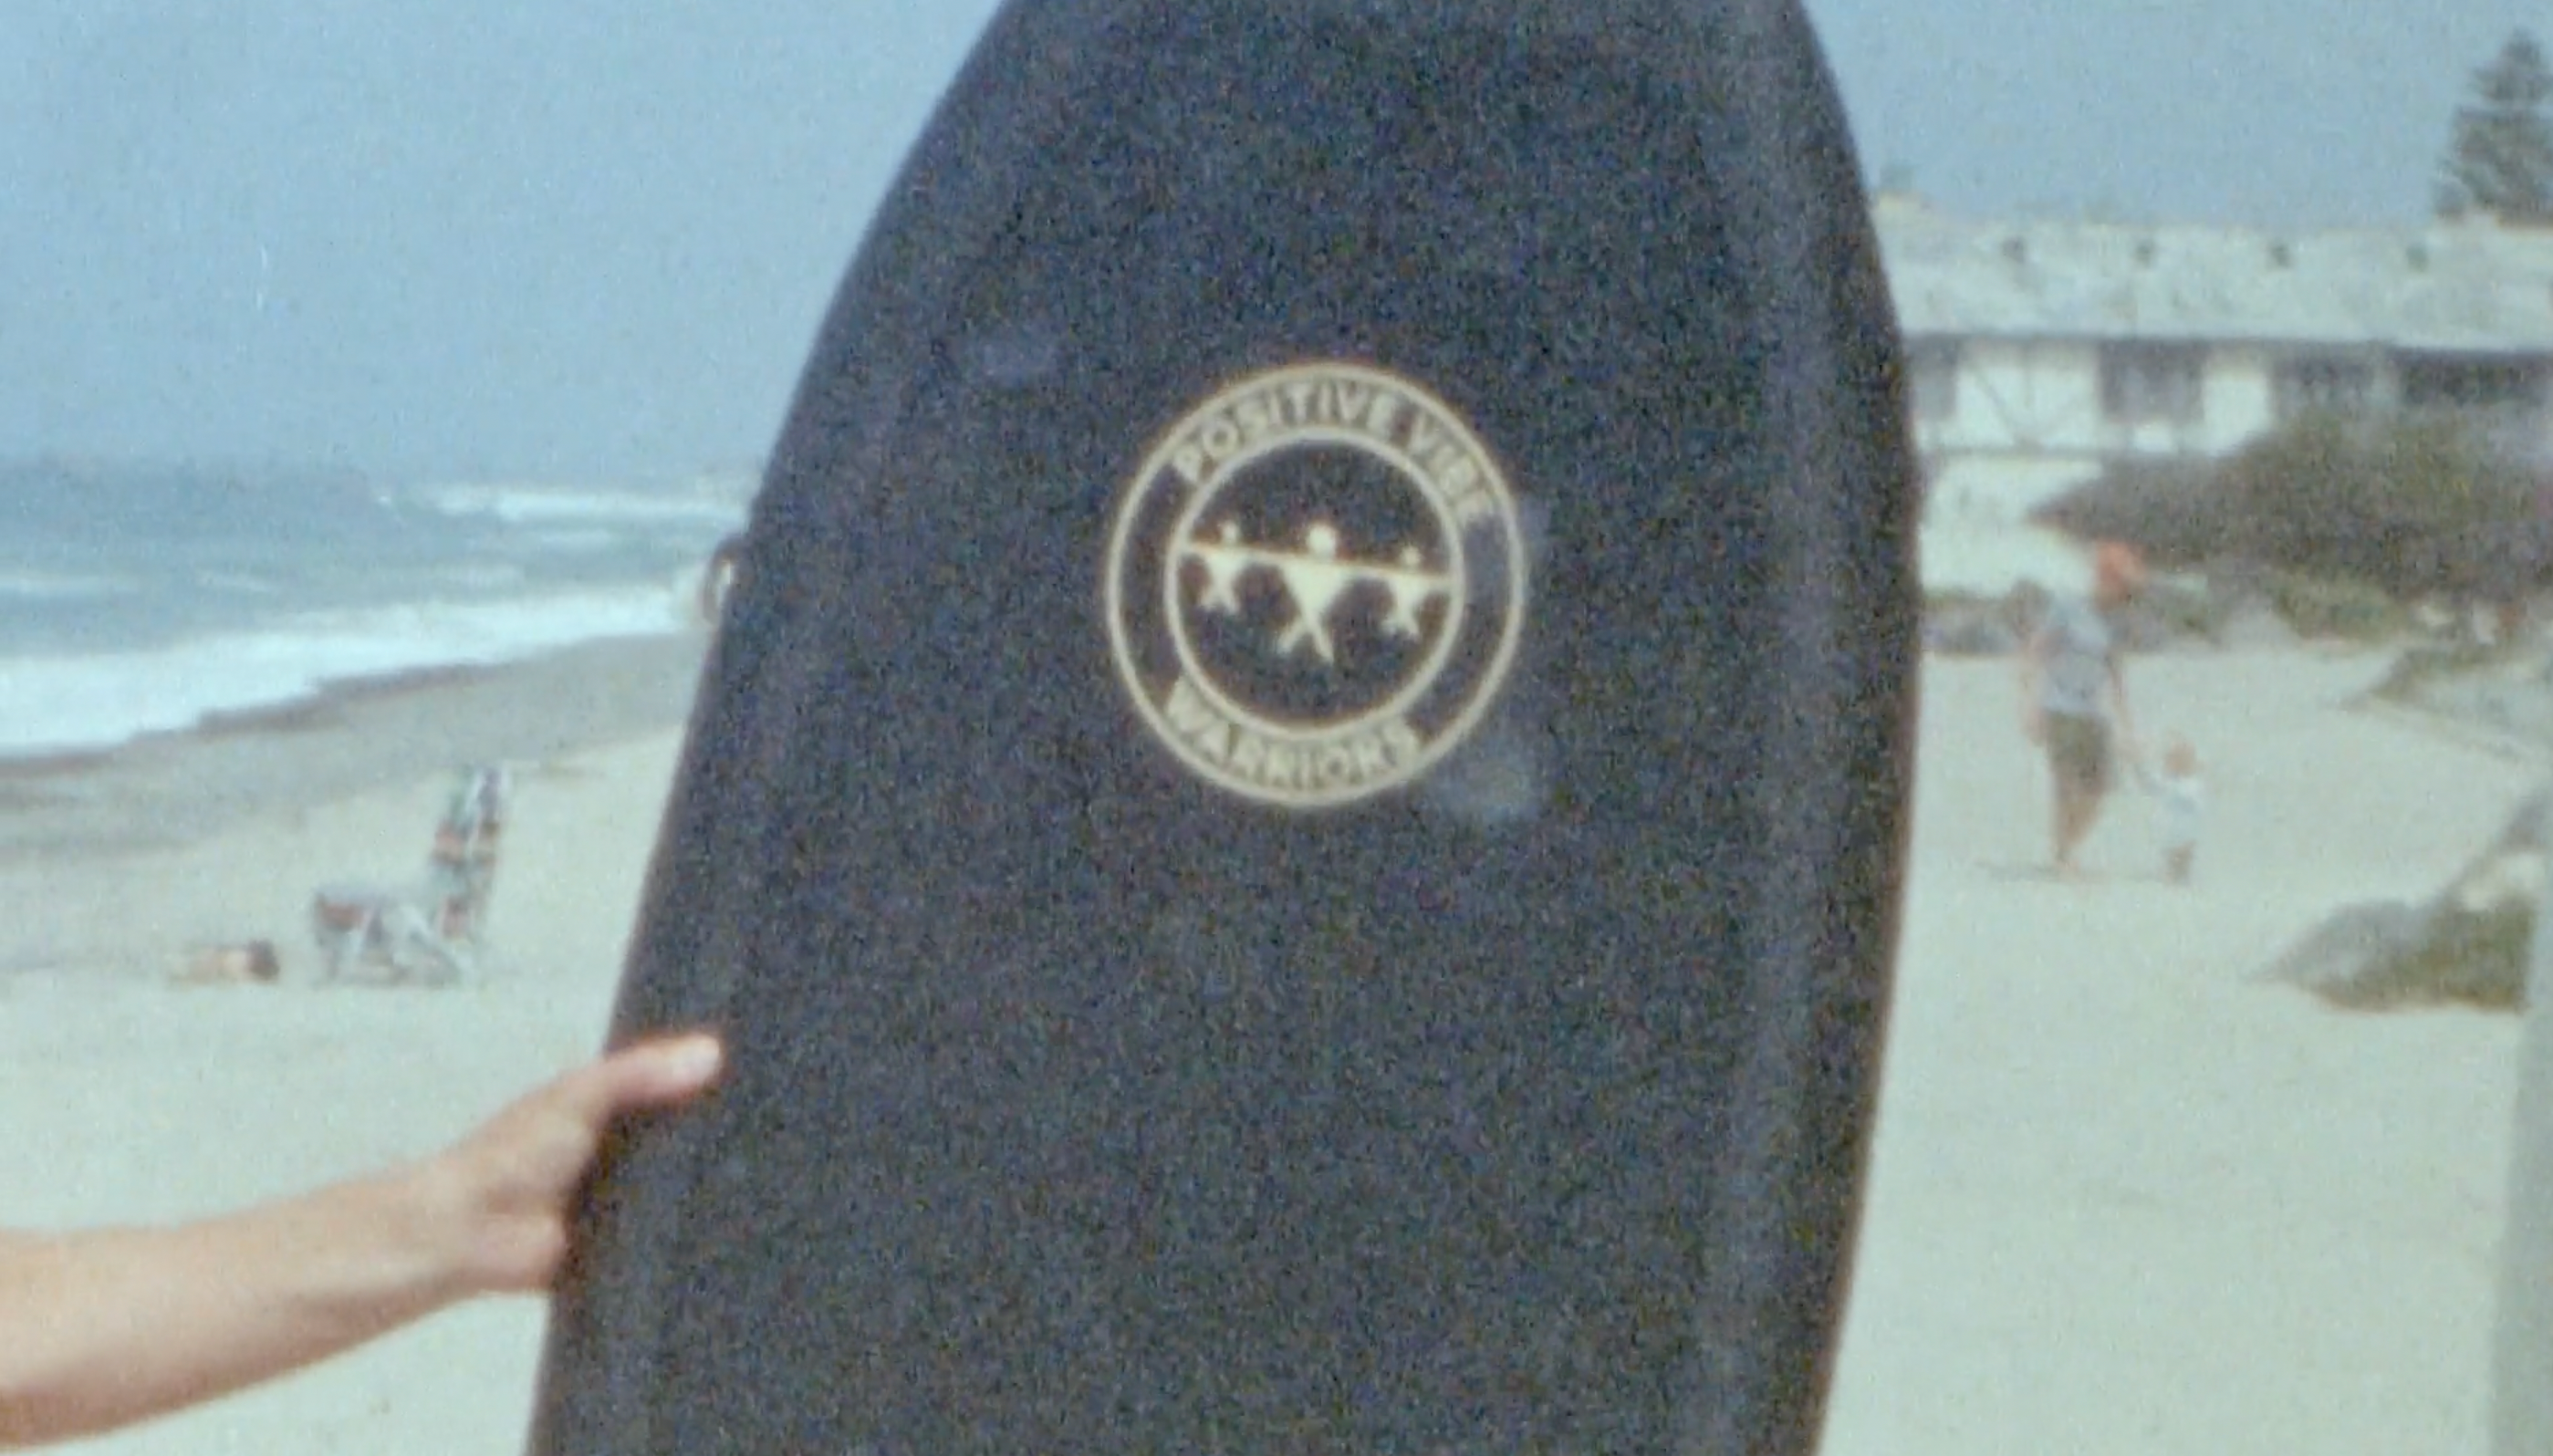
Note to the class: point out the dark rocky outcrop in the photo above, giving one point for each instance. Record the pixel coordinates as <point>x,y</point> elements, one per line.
<point>2502,689</point>
<point>2468,946</point>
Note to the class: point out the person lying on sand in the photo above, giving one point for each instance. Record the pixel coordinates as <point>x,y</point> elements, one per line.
<point>106,1329</point>
<point>251,963</point>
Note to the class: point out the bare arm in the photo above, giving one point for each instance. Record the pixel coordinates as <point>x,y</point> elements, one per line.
<point>98,1329</point>
<point>101,1329</point>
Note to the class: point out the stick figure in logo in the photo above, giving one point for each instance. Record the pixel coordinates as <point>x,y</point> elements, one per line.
<point>1411,588</point>
<point>1224,563</point>
<point>1315,580</point>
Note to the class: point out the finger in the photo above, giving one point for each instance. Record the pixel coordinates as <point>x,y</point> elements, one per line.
<point>657,1073</point>
<point>652,1073</point>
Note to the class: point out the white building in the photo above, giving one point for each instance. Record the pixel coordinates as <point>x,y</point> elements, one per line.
<point>2038,352</point>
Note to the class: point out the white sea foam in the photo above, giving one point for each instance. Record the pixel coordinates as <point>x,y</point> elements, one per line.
<point>237,584</point>
<point>45,586</point>
<point>53,704</point>
<point>575,540</point>
<point>554,505</point>
<point>485,576</point>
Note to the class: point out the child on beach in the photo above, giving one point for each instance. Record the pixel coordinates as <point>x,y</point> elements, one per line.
<point>2182,797</point>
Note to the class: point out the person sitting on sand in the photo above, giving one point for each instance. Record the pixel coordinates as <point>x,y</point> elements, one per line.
<point>106,1329</point>
<point>2074,689</point>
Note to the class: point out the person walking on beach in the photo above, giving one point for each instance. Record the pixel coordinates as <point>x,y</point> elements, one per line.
<point>2074,697</point>
<point>718,578</point>
<point>107,1328</point>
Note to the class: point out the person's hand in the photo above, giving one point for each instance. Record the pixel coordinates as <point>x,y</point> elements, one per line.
<point>503,1190</point>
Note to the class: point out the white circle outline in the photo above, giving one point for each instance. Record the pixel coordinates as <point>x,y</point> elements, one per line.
<point>1493,675</point>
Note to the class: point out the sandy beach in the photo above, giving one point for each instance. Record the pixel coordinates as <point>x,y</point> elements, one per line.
<point>127,1099</point>
<point>2127,1200</point>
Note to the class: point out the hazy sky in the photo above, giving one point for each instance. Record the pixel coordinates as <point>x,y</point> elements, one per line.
<point>586,238</point>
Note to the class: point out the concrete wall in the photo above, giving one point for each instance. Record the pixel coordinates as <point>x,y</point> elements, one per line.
<point>2242,396</point>
<point>2021,396</point>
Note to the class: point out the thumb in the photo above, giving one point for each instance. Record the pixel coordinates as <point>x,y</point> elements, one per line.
<point>653,1073</point>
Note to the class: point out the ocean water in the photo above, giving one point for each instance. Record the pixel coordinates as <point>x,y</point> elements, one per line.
<point>140,601</point>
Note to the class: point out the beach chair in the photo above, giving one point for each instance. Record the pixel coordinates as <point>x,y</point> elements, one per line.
<point>432,934</point>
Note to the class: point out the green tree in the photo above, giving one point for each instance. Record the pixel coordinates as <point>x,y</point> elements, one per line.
<point>2499,159</point>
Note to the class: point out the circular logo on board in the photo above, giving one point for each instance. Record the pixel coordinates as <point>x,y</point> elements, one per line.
<point>1315,585</point>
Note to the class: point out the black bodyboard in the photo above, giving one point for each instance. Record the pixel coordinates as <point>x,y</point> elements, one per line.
<point>1296,824</point>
